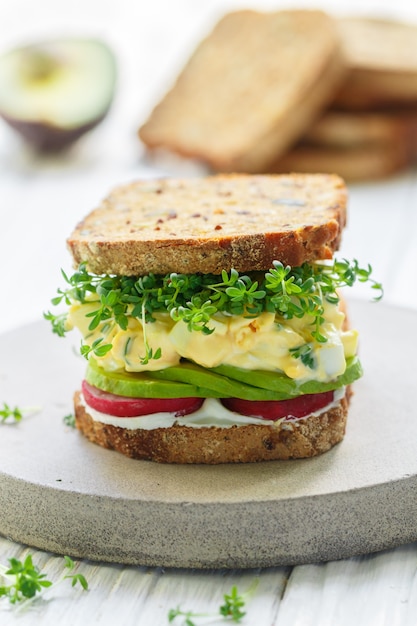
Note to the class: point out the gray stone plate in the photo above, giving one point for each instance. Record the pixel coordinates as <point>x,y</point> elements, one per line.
<point>60,493</point>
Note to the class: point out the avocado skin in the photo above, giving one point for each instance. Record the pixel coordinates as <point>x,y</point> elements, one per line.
<point>45,138</point>
<point>191,380</point>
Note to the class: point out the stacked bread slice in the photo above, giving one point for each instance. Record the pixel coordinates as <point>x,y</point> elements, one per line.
<point>295,90</point>
<point>370,130</point>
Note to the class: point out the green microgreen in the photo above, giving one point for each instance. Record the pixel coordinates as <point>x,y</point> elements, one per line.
<point>231,609</point>
<point>74,578</point>
<point>233,605</point>
<point>25,579</point>
<point>196,314</point>
<point>15,414</point>
<point>69,420</point>
<point>97,348</point>
<point>305,353</point>
<point>195,298</point>
<point>149,352</point>
<point>8,413</point>
<point>58,322</point>
<point>188,616</point>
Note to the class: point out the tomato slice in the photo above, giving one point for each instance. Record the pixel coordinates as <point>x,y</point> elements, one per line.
<point>122,406</point>
<point>274,409</point>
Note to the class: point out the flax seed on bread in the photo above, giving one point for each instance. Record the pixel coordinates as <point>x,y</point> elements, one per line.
<point>250,89</point>
<point>207,225</point>
<point>238,444</point>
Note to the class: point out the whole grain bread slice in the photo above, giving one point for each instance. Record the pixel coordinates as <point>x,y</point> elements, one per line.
<point>250,89</point>
<point>205,225</point>
<point>238,444</point>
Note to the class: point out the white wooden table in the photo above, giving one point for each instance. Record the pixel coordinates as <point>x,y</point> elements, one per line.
<point>40,202</point>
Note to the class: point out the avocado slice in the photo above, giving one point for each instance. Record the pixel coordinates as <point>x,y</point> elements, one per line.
<point>219,385</point>
<point>191,380</point>
<point>185,381</point>
<point>141,385</point>
<point>276,381</point>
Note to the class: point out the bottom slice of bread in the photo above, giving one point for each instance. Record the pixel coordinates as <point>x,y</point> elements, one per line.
<point>294,439</point>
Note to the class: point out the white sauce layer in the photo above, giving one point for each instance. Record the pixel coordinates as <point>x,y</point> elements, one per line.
<point>211,413</point>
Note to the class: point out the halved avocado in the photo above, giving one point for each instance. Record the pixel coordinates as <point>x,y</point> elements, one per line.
<point>53,92</point>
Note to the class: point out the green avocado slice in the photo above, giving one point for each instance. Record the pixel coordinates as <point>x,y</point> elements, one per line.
<point>185,381</point>
<point>221,386</point>
<point>141,385</point>
<point>276,381</point>
<point>191,380</point>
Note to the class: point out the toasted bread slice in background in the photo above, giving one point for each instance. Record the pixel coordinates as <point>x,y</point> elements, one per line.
<point>346,129</point>
<point>371,161</point>
<point>250,89</point>
<point>382,59</point>
<point>213,223</point>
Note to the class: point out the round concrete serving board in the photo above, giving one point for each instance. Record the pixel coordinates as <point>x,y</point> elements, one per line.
<point>61,493</point>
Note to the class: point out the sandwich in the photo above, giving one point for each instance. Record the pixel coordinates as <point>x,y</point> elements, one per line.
<point>212,320</point>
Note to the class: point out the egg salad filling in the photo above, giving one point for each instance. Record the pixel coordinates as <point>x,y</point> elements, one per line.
<point>267,342</point>
<point>270,336</point>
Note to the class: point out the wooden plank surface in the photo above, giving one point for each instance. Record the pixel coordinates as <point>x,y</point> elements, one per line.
<point>374,590</point>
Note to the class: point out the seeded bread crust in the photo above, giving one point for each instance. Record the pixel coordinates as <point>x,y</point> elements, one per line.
<point>206,225</point>
<point>250,89</point>
<point>239,444</point>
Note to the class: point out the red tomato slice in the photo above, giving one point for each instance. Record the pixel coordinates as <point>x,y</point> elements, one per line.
<point>274,409</point>
<point>122,406</point>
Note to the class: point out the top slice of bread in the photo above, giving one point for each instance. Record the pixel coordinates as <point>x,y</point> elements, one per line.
<point>205,225</point>
<point>382,59</point>
<point>250,89</point>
